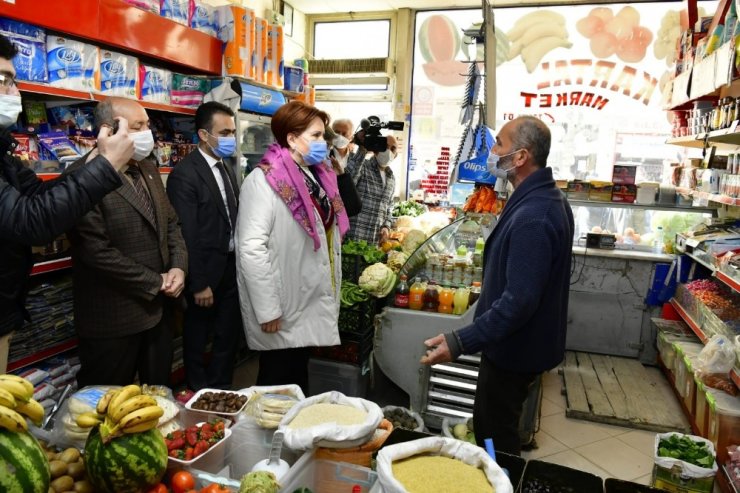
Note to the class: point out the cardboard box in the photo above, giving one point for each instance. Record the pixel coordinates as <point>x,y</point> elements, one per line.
<point>578,190</point>
<point>601,191</point>
<point>623,174</point>
<point>625,194</point>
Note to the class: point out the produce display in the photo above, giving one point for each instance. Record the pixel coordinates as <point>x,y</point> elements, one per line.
<point>17,404</point>
<point>194,441</point>
<point>323,412</point>
<point>484,199</point>
<point>683,448</point>
<point>220,402</point>
<point>350,294</point>
<point>371,253</point>
<point>408,208</point>
<point>68,471</point>
<point>438,474</point>
<point>24,467</point>
<point>378,280</point>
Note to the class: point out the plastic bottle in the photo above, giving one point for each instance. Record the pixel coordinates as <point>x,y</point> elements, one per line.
<point>461,300</point>
<point>480,244</point>
<point>401,300</point>
<point>431,297</point>
<point>416,295</point>
<point>446,298</point>
<point>659,241</point>
<point>474,293</point>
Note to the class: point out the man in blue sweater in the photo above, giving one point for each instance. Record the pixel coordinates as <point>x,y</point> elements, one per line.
<point>521,316</point>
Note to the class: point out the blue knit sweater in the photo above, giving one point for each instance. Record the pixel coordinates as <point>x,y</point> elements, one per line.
<point>521,316</point>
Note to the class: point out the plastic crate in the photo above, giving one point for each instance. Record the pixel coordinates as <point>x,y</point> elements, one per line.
<point>349,379</point>
<point>355,348</point>
<point>612,485</point>
<point>359,318</point>
<point>352,266</point>
<point>557,476</point>
<point>327,476</point>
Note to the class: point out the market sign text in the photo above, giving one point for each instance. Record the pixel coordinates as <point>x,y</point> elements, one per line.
<point>630,82</point>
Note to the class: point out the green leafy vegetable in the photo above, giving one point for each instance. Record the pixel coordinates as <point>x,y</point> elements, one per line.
<point>371,253</point>
<point>351,294</point>
<point>684,448</point>
<point>408,208</point>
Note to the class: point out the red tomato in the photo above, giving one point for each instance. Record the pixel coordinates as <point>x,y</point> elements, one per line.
<point>182,482</point>
<point>160,488</point>
<point>215,488</point>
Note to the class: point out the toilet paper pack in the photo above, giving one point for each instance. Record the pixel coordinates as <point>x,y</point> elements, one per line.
<point>119,74</point>
<point>235,29</point>
<point>176,10</point>
<point>203,18</point>
<point>260,50</point>
<point>72,64</point>
<point>188,90</point>
<point>155,84</point>
<point>30,41</point>
<point>275,61</point>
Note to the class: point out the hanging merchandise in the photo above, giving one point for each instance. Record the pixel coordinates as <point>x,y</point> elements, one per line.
<point>475,168</point>
<point>472,91</point>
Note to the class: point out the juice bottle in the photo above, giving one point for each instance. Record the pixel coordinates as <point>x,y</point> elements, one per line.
<point>401,299</point>
<point>431,297</point>
<point>416,295</point>
<point>474,293</point>
<point>446,296</point>
<point>462,295</point>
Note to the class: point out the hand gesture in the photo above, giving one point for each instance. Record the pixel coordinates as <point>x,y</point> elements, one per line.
<point>117,148</point>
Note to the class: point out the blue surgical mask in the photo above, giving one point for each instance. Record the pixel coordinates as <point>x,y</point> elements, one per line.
<point>317,152</point>
<point>225,147</point>
<point>494,162</point>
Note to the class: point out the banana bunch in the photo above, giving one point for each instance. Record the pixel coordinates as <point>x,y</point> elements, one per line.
<point>124,410</point>
<point>536,34</point>
<point>17,404</point>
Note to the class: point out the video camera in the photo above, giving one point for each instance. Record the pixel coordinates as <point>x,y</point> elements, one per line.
<point>373,140</point>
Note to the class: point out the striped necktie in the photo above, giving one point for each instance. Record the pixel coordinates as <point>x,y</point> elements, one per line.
<point>135,173</point>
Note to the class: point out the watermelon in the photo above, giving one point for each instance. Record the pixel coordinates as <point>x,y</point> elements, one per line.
<point>24,467</point>
<point>129,463</point>
<point>439,40</point>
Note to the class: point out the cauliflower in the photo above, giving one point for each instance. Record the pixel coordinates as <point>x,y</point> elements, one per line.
<point>396,260</point>
<point>378,280</point>
<point>413,240</point>
<point>259,482</point>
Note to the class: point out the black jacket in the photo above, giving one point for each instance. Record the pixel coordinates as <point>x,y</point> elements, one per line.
<point>521,316</point>
<point>204,222</point>
<point>34,212</point>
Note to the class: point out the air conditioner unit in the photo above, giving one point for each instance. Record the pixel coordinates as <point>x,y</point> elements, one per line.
<point>352,66</point>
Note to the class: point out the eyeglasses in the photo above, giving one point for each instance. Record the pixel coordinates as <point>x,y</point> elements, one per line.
<point>7,80</point>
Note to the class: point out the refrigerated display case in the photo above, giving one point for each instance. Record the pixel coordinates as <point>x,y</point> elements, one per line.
<point>255,136</point>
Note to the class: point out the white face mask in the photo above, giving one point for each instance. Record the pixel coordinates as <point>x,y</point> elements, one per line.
<point>340,142</point>
<point>10,108</point>
<point>143,144</point>
<point>494,161</point>
<point>384,158</point>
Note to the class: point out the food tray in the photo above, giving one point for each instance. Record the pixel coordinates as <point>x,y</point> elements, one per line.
<point>233,416</point>
<point>211,460</point>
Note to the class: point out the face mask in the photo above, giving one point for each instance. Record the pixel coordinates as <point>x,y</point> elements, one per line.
<point>385,157</point>
<point>225,147</point>
<point>10,108</point>
<point>340,142</point>
<point>317,152</point>
<point>494,165</point>
<point>143,144</point>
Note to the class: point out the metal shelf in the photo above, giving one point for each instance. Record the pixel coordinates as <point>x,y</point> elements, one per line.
<point>728,280</point>
<point>712,197</point>
<point>657,207</point>
<point>701,261</point>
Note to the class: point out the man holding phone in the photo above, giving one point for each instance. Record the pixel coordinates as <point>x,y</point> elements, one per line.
<point>34,212</point>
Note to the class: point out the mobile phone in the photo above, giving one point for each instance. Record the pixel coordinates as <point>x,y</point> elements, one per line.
<point>115,126</point>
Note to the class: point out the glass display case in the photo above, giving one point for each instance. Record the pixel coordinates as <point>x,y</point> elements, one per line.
<point>635,226</point>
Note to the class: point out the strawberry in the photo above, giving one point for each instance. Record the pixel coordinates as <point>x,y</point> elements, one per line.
<point>201,447</point>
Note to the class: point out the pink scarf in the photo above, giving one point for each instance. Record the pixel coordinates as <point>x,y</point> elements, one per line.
<point>286,179</point>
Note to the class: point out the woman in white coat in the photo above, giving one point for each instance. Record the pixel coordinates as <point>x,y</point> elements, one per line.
<point>288,244</point>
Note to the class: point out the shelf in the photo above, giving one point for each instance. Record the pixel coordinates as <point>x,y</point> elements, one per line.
<point>728,280</point>
<point>117,24</point>
<point>724,477</point>
<point>60,348</point>
<point>656,207</point>
<point>50,91</point>
<point>726,137</point>
<point>712,197</point>
<point>696,141</point>
<point>689,321</point>
<point>701,261</point>
<point>51,266</point>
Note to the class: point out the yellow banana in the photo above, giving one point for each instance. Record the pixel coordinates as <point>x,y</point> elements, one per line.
<point>15,378</point>
<point>141,427</point>
<point>102,406</point>
<point>88,420</point>
<point>123,395</point>
<point>32,409</point>
<point>140,415</point>
<point>133,404</point>
<point>11,420</point>
<point>18,389</point>
<point>7,399</point>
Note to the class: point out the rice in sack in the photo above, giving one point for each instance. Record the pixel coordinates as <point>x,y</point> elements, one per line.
<point>439,464</point>
<point>330,420</point>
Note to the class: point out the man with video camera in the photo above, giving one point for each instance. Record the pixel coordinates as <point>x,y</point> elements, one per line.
<point>374,180</point>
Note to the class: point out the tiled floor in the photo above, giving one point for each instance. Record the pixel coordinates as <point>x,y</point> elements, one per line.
<point>604,450</point>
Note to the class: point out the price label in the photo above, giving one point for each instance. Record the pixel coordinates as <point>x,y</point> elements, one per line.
<point>725,63</point>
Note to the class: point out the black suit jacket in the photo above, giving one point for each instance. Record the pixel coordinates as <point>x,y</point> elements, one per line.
<point>204,220</point>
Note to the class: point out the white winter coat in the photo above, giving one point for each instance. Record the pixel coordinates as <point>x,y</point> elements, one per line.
<point>280,275</point>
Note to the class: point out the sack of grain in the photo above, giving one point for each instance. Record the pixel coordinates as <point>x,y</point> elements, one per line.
<point>330,420</point>
<point>438,474</point>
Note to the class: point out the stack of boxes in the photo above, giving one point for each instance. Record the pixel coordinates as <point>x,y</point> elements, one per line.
<point>439,182</point>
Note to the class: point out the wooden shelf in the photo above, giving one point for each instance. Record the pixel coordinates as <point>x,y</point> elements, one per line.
<point>57,92</point>
<point>712,197</point>
<point>60,348</point>
<point>51,266</point>
<point>696,141</point>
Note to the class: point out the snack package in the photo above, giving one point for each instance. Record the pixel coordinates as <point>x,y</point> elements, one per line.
<point>72,64</point>
<point>27,148</point>
<point>84,141</point>
<point>35,112</point>
<point>163,152</point>
<point>119,74</point>
<point>176,10</point>
<point>78,116</point>
<point>30,41</point>
<point>59,147</point>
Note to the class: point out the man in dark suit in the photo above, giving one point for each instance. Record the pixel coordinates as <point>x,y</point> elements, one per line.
<point>203,191</point>
<point>129,262</point>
